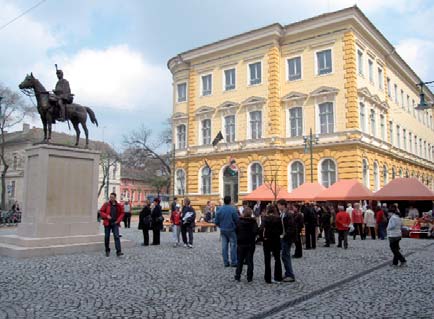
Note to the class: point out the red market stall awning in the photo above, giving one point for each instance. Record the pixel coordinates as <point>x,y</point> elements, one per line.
<point>404,189</point>
<point>343,190</point>
<point>306,192</point>
<point>265,193</point>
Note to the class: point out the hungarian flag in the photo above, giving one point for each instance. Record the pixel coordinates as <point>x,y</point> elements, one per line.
<point>217,139</point>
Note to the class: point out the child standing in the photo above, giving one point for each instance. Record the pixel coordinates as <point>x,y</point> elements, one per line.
<point>246,230</point>
<point>175,218</point>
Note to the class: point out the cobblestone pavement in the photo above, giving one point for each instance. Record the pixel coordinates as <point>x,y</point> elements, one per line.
<point>167,282</point>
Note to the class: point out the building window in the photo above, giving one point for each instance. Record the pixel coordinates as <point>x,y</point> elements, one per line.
<point>371,71</point>
<point>385,175</point>
<point>180,182</point>
<point>11,189</point>
<point>229,79</point>
<point>391,132</point>
<point>402,99</point>
<point>413,108</point>
<point>114,171</point>
<point>415,145</point>
<point>380,78</point>
<point>389,89</point>
<point>326,118</point>
<point>296,121</point>
<point>410,142</point>
<point>398,136</point>
<point>230,128</point>
<point>206,132</point>
<point>324,62</point>
<point>15,162</point>
<point>408,104</point>
<point>404,136</point>
<point>297,174</point>
<point>373,123</point>
<point>376,177</point>
<point>206,180</point>
<point>255,76</point>
<point>328,173</point>
<point>256,125</point>
<point>182,92</point>
<point>181,131</point>
<point>383,127</point>
<point>401,174</point>
<point>360,62</point>
<point>294,69</point>
<point>420,147</point>
<point>393,173</point>
<point>206,85</point>
<point>396,93</point>
<point>365,172</point>
<point>256,175</point>
<point>362,117</point>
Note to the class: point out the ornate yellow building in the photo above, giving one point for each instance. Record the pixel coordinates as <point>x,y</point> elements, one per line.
<point>264,90</point>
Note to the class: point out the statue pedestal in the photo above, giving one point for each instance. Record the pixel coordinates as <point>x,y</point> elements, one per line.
<point>60,204</point>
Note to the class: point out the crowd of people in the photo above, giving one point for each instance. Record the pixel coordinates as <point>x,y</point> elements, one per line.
<point>274,226</point>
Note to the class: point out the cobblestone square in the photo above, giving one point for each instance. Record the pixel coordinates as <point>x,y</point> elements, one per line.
<point>167,282</point>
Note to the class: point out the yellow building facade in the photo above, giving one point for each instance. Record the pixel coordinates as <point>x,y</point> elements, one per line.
<point>266,89</point>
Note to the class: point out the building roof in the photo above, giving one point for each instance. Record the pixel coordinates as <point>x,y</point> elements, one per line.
<point>404,189</point>
<point>306,192</point>
<point>343,190</point>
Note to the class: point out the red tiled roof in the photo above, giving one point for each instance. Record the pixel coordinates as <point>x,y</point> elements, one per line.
<point>349,189</point>
<point>404,189</point>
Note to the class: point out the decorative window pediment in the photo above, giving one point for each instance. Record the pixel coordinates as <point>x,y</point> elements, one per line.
<point>254,103</point>
<point>324,91</point>
<point>204,112</point>
<point>228,107</point>
<point>179,118</point>
<point>373,98</point>
<point>294,96</point>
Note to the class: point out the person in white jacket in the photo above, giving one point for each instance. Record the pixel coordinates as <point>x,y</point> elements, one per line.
<point>369,221</point>
<point>394,234</point>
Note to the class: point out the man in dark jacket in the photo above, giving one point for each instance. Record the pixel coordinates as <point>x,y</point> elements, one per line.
<point>288,237</point>
<point>246,230</point>
<point>188,222</point>
<point>112,214</point>
<point>157,221</point>
<point>299,224</point>
<point>310,222</point>
<point>326,218</point>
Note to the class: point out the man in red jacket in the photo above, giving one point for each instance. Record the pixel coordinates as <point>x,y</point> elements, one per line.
<point>343,222</point>
<point>112,214</point>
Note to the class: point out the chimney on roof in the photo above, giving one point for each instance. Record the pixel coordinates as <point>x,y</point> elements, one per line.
<point>26,127</point>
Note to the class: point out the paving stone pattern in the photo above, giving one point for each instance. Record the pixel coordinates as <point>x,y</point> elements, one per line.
<point>167,282</point>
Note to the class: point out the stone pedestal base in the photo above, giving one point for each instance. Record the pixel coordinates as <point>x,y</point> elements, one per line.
<point>60,204</point>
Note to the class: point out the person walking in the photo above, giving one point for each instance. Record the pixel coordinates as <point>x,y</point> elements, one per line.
<point>343,221</point>
<point>226,219</point>
<point>381,219</point>
<point>369,220</point>
<point>246,231</point>
<point>394,234</point>
<point>188,219</point>
<point>157,221</point>
<point>112,214</point>
<point>271,230</point>
<point>127,216</point>
<point>287,238</point>
<point>175,219</point>
<point>326,225</point>
<point>299,224</point>
<point>145,222</point>
<point>310,222</point>
<point>357,219</point>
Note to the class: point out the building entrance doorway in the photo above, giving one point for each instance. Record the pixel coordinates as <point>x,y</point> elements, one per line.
<point>230,184</point>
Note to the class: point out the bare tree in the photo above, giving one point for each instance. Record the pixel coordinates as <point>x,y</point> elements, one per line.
<point>271,174</point>
<point>108,159</point>
<point>13,109</point>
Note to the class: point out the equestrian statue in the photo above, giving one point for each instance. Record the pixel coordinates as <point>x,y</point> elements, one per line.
<point>58,105</point>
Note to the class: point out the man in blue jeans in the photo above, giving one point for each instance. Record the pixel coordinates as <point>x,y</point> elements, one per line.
<point>287,238</point>
<point>226,219</point>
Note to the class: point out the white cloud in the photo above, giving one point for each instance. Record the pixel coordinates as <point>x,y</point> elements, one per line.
<point>418,54</point>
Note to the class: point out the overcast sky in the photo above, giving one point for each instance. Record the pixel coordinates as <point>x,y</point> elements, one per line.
<point>114,53</point>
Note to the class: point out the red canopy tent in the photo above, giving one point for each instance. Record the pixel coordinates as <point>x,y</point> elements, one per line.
<point>345,189</point>
<point>306,192</point>
<point>264,193</point>
<point>404,189</point>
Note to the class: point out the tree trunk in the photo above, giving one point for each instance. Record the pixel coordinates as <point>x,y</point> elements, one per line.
<point>4,171</point>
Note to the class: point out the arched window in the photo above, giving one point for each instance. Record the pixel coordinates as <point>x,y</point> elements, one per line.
<point>205,175</point>
<point>255,175</point>
<point>365,172</point>
<point>400,173</point>
<point>385,175</point>
<point>376,177</point>
<point>297,174</point>
<point>393,173</point>
<point>406,173</point>
<point>180,182</point>
<point>328,172</point>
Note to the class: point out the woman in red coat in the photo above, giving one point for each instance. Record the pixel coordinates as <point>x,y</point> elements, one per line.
<point>343,222</point>
<point>357,218</point>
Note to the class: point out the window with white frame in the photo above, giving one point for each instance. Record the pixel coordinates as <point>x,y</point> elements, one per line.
<point>205,181</point>
<point>391,132</point>
<point>395,86</point>
<point>393,173</point>
<point>328,172</point>
<point>324,62</point>
<point>371,71</point>
<point>420,147</point>
<point>365,172</point>
<point>389,89</point>
<point>11,189</point>
<point>373,123</point>
<point>383,127</point>
<point>206,131</point>
<point>230,79</point>
<point>380,78</point>
<point>181,136</point>
<point>182,92</point>
<point>401,173</point>
<point>206,85</point>
<point>255,125</point>
<point>398,136</point>
<point>294,68</point>
<point>230,128</point>
<point>255,76</point>
<point>404,137</point>
<point>296,121</point>
<point>360,62</point>
<point>376,176</point>
<point>326,118</point>
<point>413,108</point>
<point>385,175</point>
<point>408,104</point>
<point>402,99</point>
<point>415,145</point>
<point>362,116</point>
<point>297,174</point>
<point>410,142</point>
<point>180,182</point>
<point>255,175</point>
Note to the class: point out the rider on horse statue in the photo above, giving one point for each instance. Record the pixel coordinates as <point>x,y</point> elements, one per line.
<point>62,94</point>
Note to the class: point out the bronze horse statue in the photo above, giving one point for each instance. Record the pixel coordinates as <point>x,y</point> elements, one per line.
<point>49,112</point>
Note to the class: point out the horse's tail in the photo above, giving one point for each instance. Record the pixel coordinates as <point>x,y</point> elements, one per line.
<point>91,115</point>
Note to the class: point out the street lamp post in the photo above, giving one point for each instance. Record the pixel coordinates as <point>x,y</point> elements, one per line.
<point>423,105</point>
<point>308,142</point>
